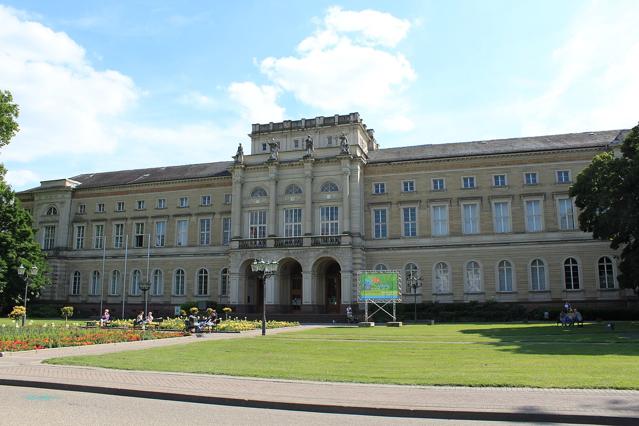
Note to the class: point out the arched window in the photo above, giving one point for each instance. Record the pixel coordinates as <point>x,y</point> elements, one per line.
<point>75,283</point>
<point>178,282</point>
<point>472,277</point>
<point>202,282</point>
<point>441,278</point>
<point>538,275</point>
<point>258,192</point>
<point>136,276</point>
<point>52,211</point>
<point>293,189</point>
<point>381,267</point>
<point>224,282</point>
<point>157,285</point>
<point>571,274</point>
<point>505,274</point>
<point>95,283</point>
<point>606,273</point>
<point>328,187</point>
<point>115,283</point>
<point>411,274</point>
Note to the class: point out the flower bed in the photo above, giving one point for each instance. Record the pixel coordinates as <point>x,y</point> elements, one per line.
<point>26,338</point>
<point>245,325</point>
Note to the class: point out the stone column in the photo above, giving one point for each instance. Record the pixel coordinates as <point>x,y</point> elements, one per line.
<point>270,290</point>
<point>347,287</point>
<point>272,204</point>
<point>308,197</point>
<point>346,199</point>
<point>307,291</point>
<point>236,202</point>
<point>234,288</point>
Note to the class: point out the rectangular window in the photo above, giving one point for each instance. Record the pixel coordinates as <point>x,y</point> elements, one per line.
<point>408,186</point>
<point>329,220</point>
<point>292,222</point>
<point>99,208</point>
<point>228,198</point>
<point>139,205</point>
<point>205,232</point>
<point>563,176</point>
<point>499,180</point>
<point>138,237</point>
<point>160,203</point>
<point>160,233</point>
<point>49,237</point>
<point>205,200</point>
<point>79,237</point>
<point>533,216</point>
<point>118,235</point>
<point>98,236</point>
<point>296,143</point>
<point>409,221</point>
<point>119,206</point>
<point>501,211</point>
<point>530,178</point>
<point>438,184</point>
<point>226,231</point>
<point>181,232</point>
<point>566,214</point>
<point>183,202</point>
<point>82,208</point>
<point>380,223</point>
<point>329,140</point>
<point>379,188</point>
<point>257,224</point>
<point>440,220</point>
<point>263,147</point>
<point>468,182</point>
<point>471,218</point>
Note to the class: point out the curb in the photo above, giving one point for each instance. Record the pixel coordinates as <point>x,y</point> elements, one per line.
<point>332,409</point>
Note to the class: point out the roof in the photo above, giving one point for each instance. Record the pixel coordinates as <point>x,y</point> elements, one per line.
<point>155,174</point>
<point>496,146</point>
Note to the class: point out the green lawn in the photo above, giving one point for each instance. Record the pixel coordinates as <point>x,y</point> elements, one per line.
<point>537,355</point>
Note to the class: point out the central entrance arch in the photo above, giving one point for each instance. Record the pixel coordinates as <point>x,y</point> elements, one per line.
<point>328,275</point>
<point>290,285</point>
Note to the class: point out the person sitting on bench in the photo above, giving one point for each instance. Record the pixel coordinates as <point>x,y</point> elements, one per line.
<point>105,319</point>
<point>139,320</point>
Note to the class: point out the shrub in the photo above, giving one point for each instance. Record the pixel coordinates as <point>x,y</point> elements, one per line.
<point>66,312</point>
<point>17,313</point>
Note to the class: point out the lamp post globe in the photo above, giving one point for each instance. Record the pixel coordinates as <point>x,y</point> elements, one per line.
<point>26,276</point>
<point>266,269</point>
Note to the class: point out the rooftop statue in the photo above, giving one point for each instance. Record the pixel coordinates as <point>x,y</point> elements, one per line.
<point>343,143</point>
<point>239,155</point>
<point>309,146</point>
<point>274,148</point>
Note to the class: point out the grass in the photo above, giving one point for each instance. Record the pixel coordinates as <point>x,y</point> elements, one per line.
<point>529,355</point>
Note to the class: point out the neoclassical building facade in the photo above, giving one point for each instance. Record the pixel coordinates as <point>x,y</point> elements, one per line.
<point>473,221</point>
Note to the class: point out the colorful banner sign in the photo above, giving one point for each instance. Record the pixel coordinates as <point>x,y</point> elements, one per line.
<point>378,286</point>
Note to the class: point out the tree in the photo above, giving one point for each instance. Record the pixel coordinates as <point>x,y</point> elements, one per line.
<point>607,192</point>
<point>8,116</point>
<point>17,236</point>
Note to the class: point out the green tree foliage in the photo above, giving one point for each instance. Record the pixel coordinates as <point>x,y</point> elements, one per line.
<point>8,116</point>
<point>17,237</point>
<point>607,192</point>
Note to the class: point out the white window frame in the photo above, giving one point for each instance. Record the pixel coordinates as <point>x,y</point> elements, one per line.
<point>76,283</point>
<point>175,284</point>
<point>469,180</point>
<point>540,200</point>
<point>120,206</point>
<point>534,177</point>
<point>94,288</point>
<point>139,234</point>
<point>160,233</point>
<point>380,267</point>
<point>226,230</point>
<point>157,286</point>
<point>505,184</point>
<point>198,284</point>
<point>204,234</point>
<point>330,225</point>
<point>447,287</point>
<point>559,172</point>
<point>545,275</point>
<point>257,224</point>
<point>160,203</point>
<point>82,208</point>
<point>511,266</point>
<point>435,221</point>
<point>182,232</point>
<point>412,223</point>
<point>228,198</point>
<point>379,188</point>
<point>205,200</point>
<point>501,225</point>
<point>79,232</point>
<point>465,230</point>
<point>408,185</point>
<point>225,282</point>
<point>609,286</point>
<point>293,220</point>
<point>570,224</point>
<point>432,184</point>
<point>118,238</point>
<point>183,202</point>
<point>140,205</point>
<point>48,237</point>
<point>467,281</point>
<point>136,279</point>
<point>100,208</point>
<point>115,280</point>
<point>98,235</point>
<point>579,274</point>
<point>380,229</point>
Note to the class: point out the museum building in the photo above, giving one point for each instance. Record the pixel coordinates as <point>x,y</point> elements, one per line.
<point>472,221</point>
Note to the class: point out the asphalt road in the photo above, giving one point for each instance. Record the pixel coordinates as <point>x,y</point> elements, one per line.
<point>29,406</point>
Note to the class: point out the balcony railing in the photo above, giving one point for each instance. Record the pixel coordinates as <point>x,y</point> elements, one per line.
<point>289,242</point>
<point>326,240</point>
<point>253,243</point>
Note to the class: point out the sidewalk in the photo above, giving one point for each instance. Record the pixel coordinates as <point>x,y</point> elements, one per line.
<point>508,404</point>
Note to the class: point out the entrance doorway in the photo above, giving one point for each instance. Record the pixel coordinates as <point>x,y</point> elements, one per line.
<point>333,287</point>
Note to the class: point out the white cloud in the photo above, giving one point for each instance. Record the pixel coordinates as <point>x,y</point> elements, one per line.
<point>259,103</point>
<point>199,100</point>
<point>66,104</point>
<point>22,177</point>
<point>398,123</point>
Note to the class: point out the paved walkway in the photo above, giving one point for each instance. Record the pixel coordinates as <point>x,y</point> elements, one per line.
<point>508,404</point>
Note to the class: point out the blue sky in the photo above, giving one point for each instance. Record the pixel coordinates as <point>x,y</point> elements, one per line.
<point>132,84</point>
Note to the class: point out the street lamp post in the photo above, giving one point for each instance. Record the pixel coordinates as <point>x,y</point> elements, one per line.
<point>267,269</point>
<point>145,286</point>
<point>22,271</point>
<point>414,283</point>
